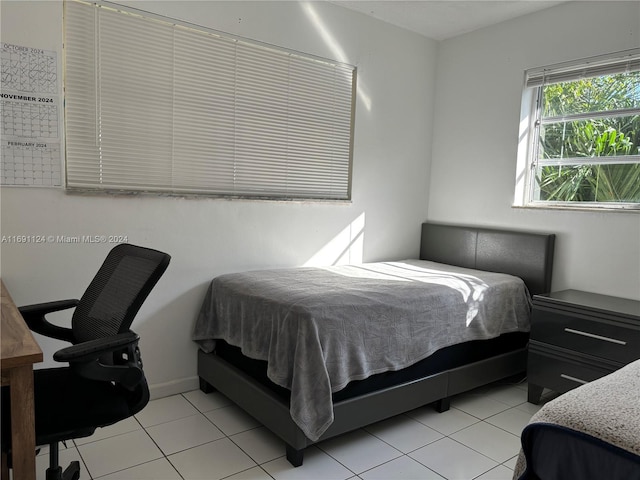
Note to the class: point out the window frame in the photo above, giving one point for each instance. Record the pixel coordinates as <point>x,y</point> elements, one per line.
<point>531,121</point>
<point>308,149</point>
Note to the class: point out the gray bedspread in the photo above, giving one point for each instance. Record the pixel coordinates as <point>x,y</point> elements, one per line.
<point>320,328</point>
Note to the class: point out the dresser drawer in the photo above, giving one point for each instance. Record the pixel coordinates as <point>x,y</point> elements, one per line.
<point>562,373</point>
<point>604,339</point>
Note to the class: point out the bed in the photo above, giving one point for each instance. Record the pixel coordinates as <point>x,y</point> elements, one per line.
<point>590,433</point>
<point>312,353</point>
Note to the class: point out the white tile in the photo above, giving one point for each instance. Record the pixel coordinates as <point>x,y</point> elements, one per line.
<point>453,460</point>
<point>359,450</point>
<point>159,469</point>
<point>211,461</point>
<point>530,408</point>
<point>490,441</point>
<point>184,433</point>
<point>164,410</point>
<point>512,420</point>
<point>232,420</point>
<point>117,453</point>
<point>498,473</point>
<point>197,449</point>
<point>65,457</point>
<point>404,433</point>
<point>480,406</point>
<point>124,426</point>
<point>317,465</point>
<point>255,473</point>
<point>446,422</point>
<point>512,395</point>
<point>260,444</point>
<point>511,463</point>
<point>206,402</point>
<point>403,468</point>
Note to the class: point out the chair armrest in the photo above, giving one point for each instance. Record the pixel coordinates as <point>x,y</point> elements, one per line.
<point>94,349</point>
<point>34,316</point>
<point>86,359</point>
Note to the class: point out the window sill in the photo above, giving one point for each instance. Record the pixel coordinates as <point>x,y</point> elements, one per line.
<point>581,208</point>
<point>203,196</point>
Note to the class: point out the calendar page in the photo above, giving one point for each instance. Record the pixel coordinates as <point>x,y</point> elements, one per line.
<point>30,111</point>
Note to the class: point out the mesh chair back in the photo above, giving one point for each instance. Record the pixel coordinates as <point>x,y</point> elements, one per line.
<point>117,292</point>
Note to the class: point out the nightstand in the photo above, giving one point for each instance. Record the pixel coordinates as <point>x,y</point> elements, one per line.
<point>577,337</point>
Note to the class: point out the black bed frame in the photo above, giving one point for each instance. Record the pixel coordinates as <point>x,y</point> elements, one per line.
<point>528,255</point>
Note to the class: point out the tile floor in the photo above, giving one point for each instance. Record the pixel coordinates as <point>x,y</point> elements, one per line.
<point>198,436</point>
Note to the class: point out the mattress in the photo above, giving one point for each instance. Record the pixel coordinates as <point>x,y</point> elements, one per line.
<point>320,329</point>
<point>444,359</point>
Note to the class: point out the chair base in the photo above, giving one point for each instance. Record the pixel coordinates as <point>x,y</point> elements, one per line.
<point>54,472</point>
<point>72,472</point>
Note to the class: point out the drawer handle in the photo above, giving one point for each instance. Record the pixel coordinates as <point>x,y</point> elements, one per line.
<point>593,335</point>
<point>573,379</point>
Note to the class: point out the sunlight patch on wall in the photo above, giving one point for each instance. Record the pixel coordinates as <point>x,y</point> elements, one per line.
<point>345,248</point>
<point>336,49</point>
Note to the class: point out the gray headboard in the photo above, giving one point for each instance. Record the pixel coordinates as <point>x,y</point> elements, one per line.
<point>528,255</point>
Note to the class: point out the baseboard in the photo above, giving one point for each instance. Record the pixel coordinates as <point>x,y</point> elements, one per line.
<point>174,387</point>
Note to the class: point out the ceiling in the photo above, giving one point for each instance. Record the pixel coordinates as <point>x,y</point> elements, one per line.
<point>442,19</point>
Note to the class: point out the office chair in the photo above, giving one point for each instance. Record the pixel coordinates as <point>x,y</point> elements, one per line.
<point>104,382</point>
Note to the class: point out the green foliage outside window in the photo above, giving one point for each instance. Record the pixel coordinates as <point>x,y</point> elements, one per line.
<point>583,123</point>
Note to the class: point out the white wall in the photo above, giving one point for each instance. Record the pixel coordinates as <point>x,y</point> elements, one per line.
<point>396,184</point>
<point>478,93</point>
<point>207,237</point>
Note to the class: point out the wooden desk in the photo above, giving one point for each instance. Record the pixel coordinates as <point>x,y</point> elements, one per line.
<point>19,352</point>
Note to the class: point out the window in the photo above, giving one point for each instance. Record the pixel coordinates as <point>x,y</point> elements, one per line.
<point>582,123</point>
<point>153,105</point>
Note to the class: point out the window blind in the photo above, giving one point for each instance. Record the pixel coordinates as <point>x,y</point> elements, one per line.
<point>626,61</point>
<point>159,106</point>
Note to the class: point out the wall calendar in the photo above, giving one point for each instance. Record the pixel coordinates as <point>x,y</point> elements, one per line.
<point>30,112</point>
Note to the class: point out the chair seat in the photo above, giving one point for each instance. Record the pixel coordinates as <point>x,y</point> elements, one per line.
<point>66,402</point>
<point>69,406</point>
